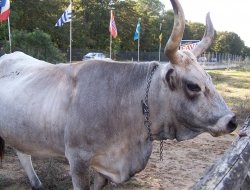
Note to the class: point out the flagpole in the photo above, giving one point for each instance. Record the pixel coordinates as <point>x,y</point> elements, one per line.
<point>160,52</point>
<point>138,46</point>
<point>160,43</point>
<point>9,33</point>
<point>110,51</point>
<point>139,36</point>
<point>70,36</point>
<point>67,17</point>
<point>110,48</point>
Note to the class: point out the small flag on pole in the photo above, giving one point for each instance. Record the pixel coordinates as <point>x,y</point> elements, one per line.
<point>66,17</point>
<point>160,36</point>
<point>112,26</point>
<point>138,29</point>
<point>188,46</point>
<point>5,10</point>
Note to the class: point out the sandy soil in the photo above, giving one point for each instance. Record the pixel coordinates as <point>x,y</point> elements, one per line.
<point>182,165</point>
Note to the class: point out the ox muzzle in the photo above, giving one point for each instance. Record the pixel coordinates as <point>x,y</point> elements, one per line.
<point>224,125</point>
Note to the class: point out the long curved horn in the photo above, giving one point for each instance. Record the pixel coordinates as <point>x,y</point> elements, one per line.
<point>207,39</point>
<point>173,43</point>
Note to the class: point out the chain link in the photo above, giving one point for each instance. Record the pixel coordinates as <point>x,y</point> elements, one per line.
<point>145,106</point>
<point>145,111</point>
<point>161,150</point>
<point>149,83</point>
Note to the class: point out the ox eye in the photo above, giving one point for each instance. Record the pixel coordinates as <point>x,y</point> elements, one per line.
<point>193,87</point>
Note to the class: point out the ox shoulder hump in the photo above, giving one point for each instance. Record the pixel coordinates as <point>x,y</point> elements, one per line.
<point>19,57</point>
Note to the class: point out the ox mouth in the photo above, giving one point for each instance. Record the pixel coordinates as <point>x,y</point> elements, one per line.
<point>224,125</point>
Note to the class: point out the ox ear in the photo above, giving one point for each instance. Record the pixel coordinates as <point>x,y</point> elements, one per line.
<point>171,79</point>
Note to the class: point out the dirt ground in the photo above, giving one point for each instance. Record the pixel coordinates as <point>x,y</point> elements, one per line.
<point>182,165</point>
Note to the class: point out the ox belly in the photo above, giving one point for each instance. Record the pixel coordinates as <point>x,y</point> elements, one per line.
<point>32,114</point>
<point>121,161</point>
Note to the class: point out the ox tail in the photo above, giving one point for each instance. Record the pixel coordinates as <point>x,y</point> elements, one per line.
<point>2,145</point>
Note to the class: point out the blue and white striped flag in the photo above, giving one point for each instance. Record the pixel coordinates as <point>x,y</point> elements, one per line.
<point>66,17</point>
<point>2,3</point>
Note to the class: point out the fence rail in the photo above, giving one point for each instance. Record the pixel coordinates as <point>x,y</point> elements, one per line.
<point>206,58</point>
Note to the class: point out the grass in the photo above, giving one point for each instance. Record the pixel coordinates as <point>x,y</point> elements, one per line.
<point>234,86</point>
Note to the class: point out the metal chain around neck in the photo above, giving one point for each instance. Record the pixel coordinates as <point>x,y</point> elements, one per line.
<point>161,150</point>
<point>145,106</point>
<point>146,113</point>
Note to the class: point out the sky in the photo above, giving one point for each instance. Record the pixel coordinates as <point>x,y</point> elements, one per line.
<point>226,15</point>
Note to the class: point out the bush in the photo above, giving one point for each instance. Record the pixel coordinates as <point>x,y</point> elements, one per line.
<point>37,44</point>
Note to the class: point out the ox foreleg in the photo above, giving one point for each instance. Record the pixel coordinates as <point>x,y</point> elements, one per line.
<point>99,181</point>
<point>28,167</point>
<point>79,170</point>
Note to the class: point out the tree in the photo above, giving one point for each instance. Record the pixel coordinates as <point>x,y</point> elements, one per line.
<point>149,11</point>
<point>90,25</point>
<point>167,24</point>
<point>246,51</point>
<point>228,42</point>
<point>37,44</point>
<point>196,30</point>
<point>126,17</point>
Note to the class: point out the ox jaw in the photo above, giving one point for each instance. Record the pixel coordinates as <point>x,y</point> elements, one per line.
<point>186,133</point>
<point>221,127</point>
<point>180,132</point>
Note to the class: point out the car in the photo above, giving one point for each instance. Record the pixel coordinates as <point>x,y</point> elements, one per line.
<point>202,59</point>
<point>213,59</point>
<point>93,55</point>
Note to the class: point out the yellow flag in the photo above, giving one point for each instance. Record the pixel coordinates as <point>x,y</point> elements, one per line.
<point>160,37</point>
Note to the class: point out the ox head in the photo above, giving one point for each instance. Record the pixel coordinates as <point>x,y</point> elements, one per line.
<point>195,104</point>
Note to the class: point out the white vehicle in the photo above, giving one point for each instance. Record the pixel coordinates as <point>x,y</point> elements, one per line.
<point>213,59</point>
<point>93,55</point>
<point>202,59</point>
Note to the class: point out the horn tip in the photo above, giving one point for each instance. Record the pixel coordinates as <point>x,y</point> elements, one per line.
<point>208,16</point>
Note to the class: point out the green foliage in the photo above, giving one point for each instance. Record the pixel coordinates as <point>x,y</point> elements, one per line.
<point>229,42</point>
<point>37,44</point>
<point>90,25</point>
<point>246,51</point>
<point>40,14</point>
<point>149,11</point>
<point>167,24</point>
<point>126,17</point>
<point>196,30</point>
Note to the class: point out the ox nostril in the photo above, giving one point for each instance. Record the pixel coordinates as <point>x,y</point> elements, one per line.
<point>232,124</point>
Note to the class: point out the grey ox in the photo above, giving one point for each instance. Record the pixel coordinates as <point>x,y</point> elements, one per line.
<point>91,112</point>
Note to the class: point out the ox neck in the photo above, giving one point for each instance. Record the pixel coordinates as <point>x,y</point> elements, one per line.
<point>145,104</point>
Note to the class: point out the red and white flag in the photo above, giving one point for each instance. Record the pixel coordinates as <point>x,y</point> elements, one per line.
<point>188,46</point>
<point>112,26</point>
<point>5,10</point>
